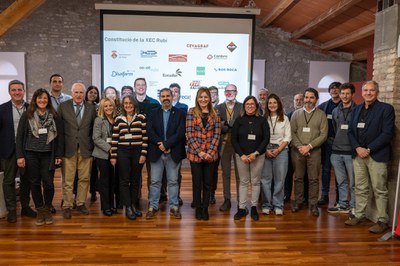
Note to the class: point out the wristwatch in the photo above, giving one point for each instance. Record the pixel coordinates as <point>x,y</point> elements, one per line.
<point>256,153</point>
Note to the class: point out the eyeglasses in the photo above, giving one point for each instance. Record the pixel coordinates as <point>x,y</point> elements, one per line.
<point>230,91</point>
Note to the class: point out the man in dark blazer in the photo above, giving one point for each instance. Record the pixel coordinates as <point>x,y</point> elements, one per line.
<point>370,132</point>
<point>229,111</point>
<point>166,132</point>
<point>76,139</point>
<point>10,113</point>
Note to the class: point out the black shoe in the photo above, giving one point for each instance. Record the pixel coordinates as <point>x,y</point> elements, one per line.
<point>180,201</point>
<point>199,213</point>
<point>204,214</point>
<point>296,206</point>
<point>314,210</point>
<point>254,214</point>
<point>136,211</point>
<point>108,212</point>
<point>114,210</point>
<point>212,199</point>
<point>28,212</point>
<point>12,216</point>
<point>93,198</point>
<point>129,213</point>
<point>324,200</point>
<point>226,206</point>
<point>240,214</point>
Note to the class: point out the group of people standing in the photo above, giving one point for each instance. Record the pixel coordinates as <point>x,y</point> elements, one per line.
<point>125,133</point>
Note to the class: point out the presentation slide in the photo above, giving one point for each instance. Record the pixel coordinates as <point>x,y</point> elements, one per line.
<point>190,59</point>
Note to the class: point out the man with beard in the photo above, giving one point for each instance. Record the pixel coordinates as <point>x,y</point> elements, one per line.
<point>309,127</point>
<point>263,94</point>
<point>166,132</point>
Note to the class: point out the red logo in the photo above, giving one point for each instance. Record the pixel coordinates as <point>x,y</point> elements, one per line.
<point>114,54</point>
<point>231,46</point>
<point>177,57</point>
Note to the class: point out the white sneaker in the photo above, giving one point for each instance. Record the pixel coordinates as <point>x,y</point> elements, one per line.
<point>278,212</point>
<point>265,211</point>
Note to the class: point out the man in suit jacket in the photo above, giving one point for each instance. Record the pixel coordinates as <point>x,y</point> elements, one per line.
<point>10,113</point>
<point>166,131</point>
<point>76,139</point>
<point>370,132</point>
<point>228,111</point>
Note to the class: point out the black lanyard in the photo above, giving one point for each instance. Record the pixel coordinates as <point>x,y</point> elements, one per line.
<point>273,125</point>
<point>305,117</point>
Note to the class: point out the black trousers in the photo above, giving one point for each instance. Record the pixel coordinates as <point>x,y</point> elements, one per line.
<point>106,183</point>
<point>37,166</point>
<point>130,172</point>
<point>202,180</point>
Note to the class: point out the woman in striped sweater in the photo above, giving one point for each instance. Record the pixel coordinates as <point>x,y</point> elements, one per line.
<point>129,149</point>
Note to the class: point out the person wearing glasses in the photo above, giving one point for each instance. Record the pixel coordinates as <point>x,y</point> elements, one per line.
<point>229,110</point>
<point>250,136</point>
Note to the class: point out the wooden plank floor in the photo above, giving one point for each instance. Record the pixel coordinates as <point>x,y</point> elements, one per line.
<point>98,240</point>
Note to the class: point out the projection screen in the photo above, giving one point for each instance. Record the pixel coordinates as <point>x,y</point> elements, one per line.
<point>192,46</point>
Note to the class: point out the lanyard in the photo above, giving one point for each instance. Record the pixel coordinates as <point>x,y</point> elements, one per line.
<point>273,125</point>
<point>305,117</point>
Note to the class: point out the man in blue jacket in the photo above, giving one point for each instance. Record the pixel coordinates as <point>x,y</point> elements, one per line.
<point>370,132</point>
<point>10,113</point>
<point>166,132</point>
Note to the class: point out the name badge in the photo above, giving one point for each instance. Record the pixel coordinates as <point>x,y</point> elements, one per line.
<point>345,127</point>
<point>361,125</point>
<point>42,130</point>
<point>128,136</point>
<point>329,116</point>
<point>251,137</point>
<point>108,140</point>
<point>306,129</point>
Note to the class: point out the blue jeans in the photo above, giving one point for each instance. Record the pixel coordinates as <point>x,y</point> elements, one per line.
<point>326,166</point>
<point>274,169</point>
<point>343,165</point>
<point>171,169</point>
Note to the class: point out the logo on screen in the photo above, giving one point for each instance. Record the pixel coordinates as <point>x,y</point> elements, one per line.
<point>148,54</point>
<point>196,46</point>
<point>177,57</point>
<point>127,73</point>
<point>200,71</point>
<point>195,84</point>
<point>225,69</point>
<point>217,57</point>
<point>148,68</point>
<point>114,54</point>
<point>223,83</point>
<point>178,73</point>
<point>186,97</point>
<point>231,46</point>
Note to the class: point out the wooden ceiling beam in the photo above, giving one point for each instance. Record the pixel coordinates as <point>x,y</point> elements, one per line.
<point>349,38</point>
<point>360,56</point>
<point>16,12</point>
<point>332,12</point>
<point>278,11</point>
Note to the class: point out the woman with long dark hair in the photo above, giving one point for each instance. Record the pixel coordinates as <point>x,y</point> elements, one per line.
<point>37,151</point>
<point>276,157</point>
<point>129,149</point>
<point>203,132</point>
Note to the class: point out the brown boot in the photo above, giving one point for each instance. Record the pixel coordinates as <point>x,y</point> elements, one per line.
<point>48,217</point>
<point>40,216</point>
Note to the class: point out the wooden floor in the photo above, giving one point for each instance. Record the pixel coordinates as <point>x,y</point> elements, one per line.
<point>98,240</point>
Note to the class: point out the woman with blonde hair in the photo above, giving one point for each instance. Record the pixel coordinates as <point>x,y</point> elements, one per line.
<point>203,132</point>
<point>102,133</point>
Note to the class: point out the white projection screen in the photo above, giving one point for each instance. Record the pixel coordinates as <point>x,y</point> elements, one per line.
<point>192,46</point>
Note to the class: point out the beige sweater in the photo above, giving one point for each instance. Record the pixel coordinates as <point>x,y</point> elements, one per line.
<point>317,131</point>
